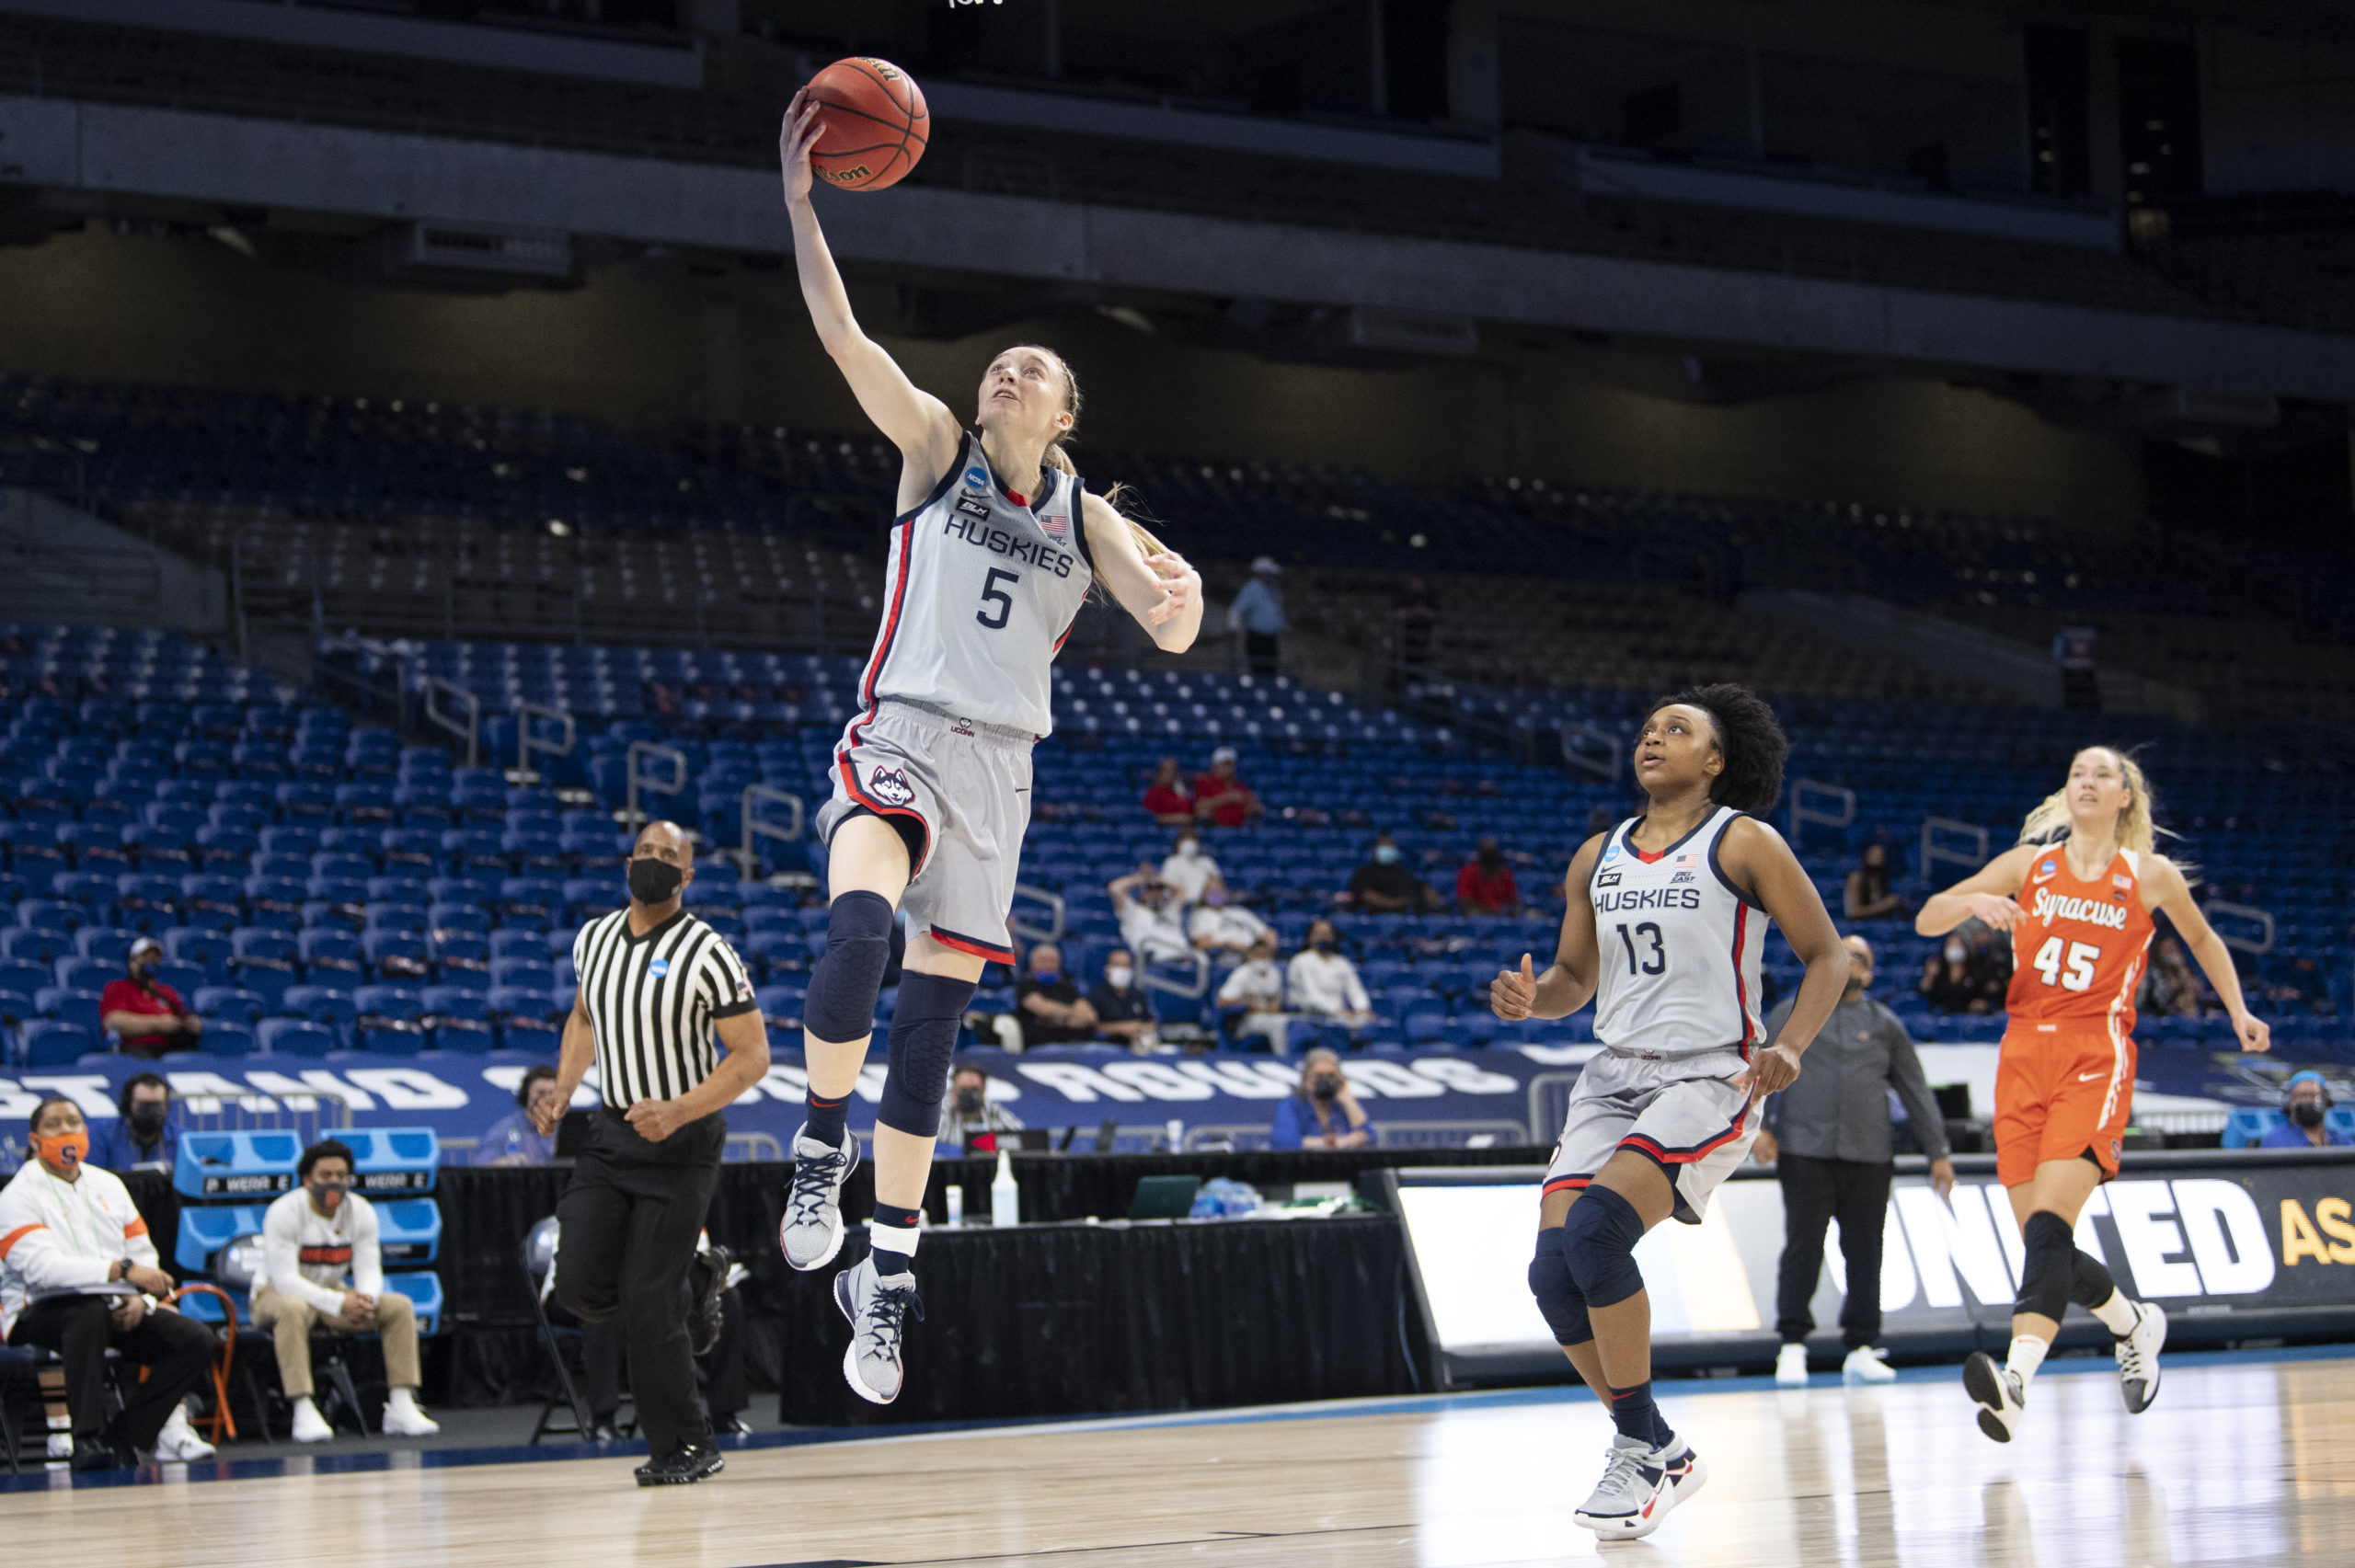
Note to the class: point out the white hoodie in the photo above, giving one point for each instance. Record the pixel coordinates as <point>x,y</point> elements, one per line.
<point>309,1253</point>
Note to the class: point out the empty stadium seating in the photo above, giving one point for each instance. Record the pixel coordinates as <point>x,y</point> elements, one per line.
<point>337,889</point>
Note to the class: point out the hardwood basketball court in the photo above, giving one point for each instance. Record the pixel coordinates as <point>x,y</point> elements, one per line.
<point>2242,1460</point>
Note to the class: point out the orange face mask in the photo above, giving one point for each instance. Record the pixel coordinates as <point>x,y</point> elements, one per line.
<point>65,1149</point>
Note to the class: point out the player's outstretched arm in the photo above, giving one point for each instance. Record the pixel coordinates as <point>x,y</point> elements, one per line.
<point>916,421</point>
<point>1985,894</point>
<point>1160,590</point>
<point>1755,858</point>
<point>2164,889</point>
<point>1568,983</point>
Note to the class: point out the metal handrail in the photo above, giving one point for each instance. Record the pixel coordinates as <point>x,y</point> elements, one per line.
<point>1933,851</point>
<point>1056,908</point>
<point>2242,911</point>
<point>1593,751</point>
<point>525,744</point>
<point>1803,813</point>
<point>746,861</point>
<point>1202,963</point>
<point>637,778</point>
<point>471,706</point>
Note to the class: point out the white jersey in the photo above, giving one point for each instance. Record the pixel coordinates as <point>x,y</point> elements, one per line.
<point>980,593</point>
<point>1680,948</point>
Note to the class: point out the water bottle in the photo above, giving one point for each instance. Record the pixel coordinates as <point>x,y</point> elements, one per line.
<point>955,1193</point>
<point>1177,1136</point>
<point>1006,1198</point>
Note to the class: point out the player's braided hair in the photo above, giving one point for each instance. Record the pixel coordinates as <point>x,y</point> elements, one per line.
<point>1749,737</point>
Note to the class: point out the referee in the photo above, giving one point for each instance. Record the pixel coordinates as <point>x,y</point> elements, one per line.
<point>656,986</point>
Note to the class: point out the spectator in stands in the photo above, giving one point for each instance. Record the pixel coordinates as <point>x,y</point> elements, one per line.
<point>1053,1010</point>
<point>1122,1013</point>
<point>146,1015</point>
<point>1220,797</point>
<point>1485,884</point>
<point>70,1235</point>
<point>1251,998</point>
<point>2171,988</point>
<point>1829,1137</point>
<point>1147,910</point>
<point>972,1118</point>
<point>2306,1107</point>
<point>141,1133</point>
<point>1991,961</point>
<point>1386,885</point>
<point>1168,797</point>
<point>1323,1112</point>
<point>313,1238</point>
<point>1189,870</point>
<point>1868,896</point>
<point>1950,983</point>
<point>515,1138</point>
<point>1414,612</point>
<point>1323,983</point>
<point>1258,613</point>
<point>1220,926</point>
<point>1599,820</point>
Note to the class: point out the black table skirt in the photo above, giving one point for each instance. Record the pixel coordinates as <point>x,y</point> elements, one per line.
<point>1052,1318</point>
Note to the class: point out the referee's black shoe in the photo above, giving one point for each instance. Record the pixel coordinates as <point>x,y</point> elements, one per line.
<point>682,1466</point>
<point>706,1322</point>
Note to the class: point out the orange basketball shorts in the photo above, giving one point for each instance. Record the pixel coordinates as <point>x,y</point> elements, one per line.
<point>2060,1092</point>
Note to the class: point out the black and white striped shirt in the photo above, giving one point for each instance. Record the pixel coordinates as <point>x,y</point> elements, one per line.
<point>652,1001</point>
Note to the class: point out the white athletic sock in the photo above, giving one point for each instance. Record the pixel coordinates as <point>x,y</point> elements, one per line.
<point>2028,1354</point>
<point>402,1400</point>
<point>2118,1314</point>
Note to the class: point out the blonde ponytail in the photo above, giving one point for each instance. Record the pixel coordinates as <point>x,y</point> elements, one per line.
<point>1060,459</point>
<point>2138,828</point>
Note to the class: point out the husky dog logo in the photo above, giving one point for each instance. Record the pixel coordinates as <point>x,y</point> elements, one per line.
<point>890,786</point>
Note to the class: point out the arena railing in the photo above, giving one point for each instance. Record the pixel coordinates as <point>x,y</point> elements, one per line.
<point>1936,853</point>
<point>756,828</point>
<point>1803,812</point>
<point>638,779</point>
<point>527,742</point>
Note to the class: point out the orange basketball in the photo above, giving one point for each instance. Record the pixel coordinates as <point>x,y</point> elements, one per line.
<point>873,124</point>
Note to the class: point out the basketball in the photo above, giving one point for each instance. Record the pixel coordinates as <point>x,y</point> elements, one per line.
<point>874,124</point>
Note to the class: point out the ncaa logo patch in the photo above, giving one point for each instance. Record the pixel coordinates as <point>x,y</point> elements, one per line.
<point>2048,868</point>
<point>658,967</point>
<point>978,477</point>
<point>890,786</point>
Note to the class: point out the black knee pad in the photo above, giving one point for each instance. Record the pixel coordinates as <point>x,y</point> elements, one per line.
<point>2048,1269</point>
<point>924,1043</point>
<point>1599,1241</point>
<point>2089,1282</point>
<point>1557,1294</point>
<point>843,987</point>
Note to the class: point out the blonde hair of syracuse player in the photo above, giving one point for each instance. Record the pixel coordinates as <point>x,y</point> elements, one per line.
<point>1057,457</point>
<point>2137,827</point>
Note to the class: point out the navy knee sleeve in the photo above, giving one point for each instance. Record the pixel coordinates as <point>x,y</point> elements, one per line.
<point>924,1041</point>
<point>843,987</point>
<point>1556,1292</point>
<point>1599,1241</point>
<point>2048,1269</point>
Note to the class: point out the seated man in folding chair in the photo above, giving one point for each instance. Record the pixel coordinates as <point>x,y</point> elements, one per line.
<point>78,1277</point>
<point>313,1238</point>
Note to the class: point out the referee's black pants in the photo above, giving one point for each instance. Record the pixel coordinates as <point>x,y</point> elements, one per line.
<point>630,1217</point>
<point>1814,1191</point>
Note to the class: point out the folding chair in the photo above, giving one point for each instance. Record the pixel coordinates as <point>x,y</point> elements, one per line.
<point>539,1262</point>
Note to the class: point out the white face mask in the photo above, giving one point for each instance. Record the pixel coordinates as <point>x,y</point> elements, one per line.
<point>1118,978</point>
<point>1957,953</point>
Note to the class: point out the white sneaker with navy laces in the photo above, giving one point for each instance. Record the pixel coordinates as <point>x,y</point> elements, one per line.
<point>1639,1485</point>
<point>2138,1357</point>
<point>877,1307</point>
<point>812,1231</point>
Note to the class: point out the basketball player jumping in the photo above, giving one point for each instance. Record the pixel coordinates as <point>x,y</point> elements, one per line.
<point>995,546</point>
<point>2076,895</point>
<point>1666,924</point>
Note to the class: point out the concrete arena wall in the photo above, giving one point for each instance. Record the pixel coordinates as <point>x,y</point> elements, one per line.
<point>645,344</point>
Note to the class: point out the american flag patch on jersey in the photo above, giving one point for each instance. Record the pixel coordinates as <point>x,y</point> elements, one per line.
<point>1685,862</point>
<point>1056,524</point>
<point>2122,881</point>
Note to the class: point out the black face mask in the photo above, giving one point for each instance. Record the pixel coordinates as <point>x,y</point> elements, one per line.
<point>1324,1086</point>
<point>969,1101</point>
<point>2306,1113</point>
<point>1324,945</point>
<point>147,1119</point>
<point>653,881</point>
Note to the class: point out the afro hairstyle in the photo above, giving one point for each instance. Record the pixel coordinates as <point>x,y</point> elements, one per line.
<point>1749,737</point>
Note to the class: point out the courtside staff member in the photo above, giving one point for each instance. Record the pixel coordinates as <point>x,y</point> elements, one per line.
<point>657,987</point>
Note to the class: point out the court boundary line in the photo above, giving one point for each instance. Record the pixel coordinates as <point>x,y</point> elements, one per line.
<point>382,1460</point>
